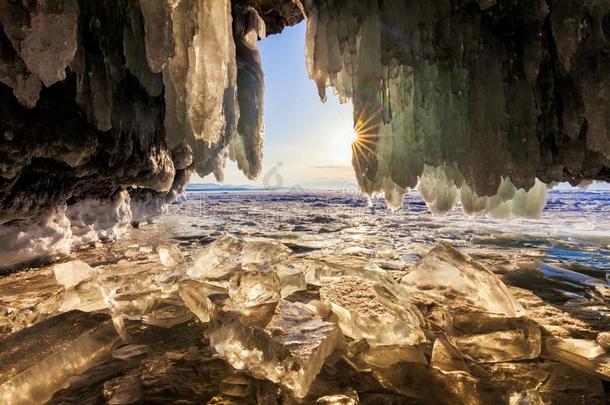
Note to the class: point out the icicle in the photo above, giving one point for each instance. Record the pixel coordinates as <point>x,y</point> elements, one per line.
<point>211,70</point>
<point>246,147</point>
<point>158,33</point>
<point>430,87</point>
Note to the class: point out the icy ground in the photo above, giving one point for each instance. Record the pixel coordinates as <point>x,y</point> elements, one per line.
<point>271,298</point>
<point>573,231</point>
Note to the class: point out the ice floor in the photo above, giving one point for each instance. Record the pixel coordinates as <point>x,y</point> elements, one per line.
<point>319,298</point>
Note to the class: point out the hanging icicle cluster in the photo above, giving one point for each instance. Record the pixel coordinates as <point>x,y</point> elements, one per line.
<point>467,98</point>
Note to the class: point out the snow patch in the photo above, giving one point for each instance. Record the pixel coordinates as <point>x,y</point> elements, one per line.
<point>103,220</point>
<point>25,241</point>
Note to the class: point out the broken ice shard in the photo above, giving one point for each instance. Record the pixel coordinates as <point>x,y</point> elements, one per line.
<point>432,386</point>
<point>340,399</point>
<point>170,256</point>
<point>85,296</point>
<point>493,338</point>
<point>254,293</point>
<point>445,357</point>
<point>167,313</point>
<point>603,339</point>
<point>565,385</point>
<point>72,273</point>
<point>223,256</point>
<point>582,354</point>
<point>447,277</point>
<point>195,296</point>
<point>365,357</point>
<point>38,361</point>
<point>368,311</point>
<point>291,280</point>
<point>290,350</point>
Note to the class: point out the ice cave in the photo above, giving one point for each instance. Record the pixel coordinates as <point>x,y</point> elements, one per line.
<point>470,264</point>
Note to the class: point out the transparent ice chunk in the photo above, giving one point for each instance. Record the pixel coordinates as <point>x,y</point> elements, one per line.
<point>603,339</point>
<point>291,280</point>
<point>582,354</point>
<point>368,311</point>
<point>445,357</point>
<point>340,399</point>
<point>290,350</point>
<point>433,386</point>
<point>447,277</point>
<point>170,256</point>
<point>38,361</point>
<point>223,257</point>
<point>254,293</point>
<point>568,385</point>
<point>492,338</point>
<point>195,296</point>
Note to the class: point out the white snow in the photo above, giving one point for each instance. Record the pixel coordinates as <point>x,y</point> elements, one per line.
<point>29,240</point>
<point>95,220</point>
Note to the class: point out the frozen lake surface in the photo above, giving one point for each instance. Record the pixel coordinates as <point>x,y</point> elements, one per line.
<point>318,297</point>
<point>573,230</point>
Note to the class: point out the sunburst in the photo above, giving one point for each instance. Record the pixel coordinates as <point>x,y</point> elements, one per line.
<point>365,137</point>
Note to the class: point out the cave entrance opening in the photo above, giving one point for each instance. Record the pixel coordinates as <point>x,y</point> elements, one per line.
<point>307,142</point>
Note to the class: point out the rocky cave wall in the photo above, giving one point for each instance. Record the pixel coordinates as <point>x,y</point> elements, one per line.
<point>107,107</point>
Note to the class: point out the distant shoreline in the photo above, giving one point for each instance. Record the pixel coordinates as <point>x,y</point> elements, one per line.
<point>215,188</point>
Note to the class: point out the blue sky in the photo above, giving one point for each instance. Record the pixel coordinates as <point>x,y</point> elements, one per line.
<point>307,142</point>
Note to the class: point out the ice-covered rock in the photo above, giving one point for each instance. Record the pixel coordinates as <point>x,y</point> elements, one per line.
<point>158,32</point>
<point>289,350</point>
<point>438,109</point>
<point>444,276</point>
<point>46,39</point>
<point>246,146</point>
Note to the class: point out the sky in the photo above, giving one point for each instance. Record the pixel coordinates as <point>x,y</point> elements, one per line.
<point>307,142</point>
